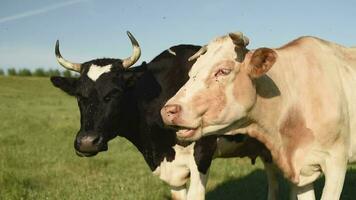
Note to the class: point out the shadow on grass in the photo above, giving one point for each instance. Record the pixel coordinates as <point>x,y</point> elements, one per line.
<point>254,186</point>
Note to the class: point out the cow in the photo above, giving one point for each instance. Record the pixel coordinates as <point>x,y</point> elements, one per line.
<point>297,99</point>
<point>116,99</point>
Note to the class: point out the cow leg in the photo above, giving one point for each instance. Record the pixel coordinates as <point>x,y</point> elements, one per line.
<point>197,186</point>
<point>302,193</point>
<point>179,193</point>
<point>335,171</point>
<point>272,180</point>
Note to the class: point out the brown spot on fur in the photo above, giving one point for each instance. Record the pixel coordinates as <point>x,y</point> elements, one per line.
<point>289,145</point>
<point>295,136</point>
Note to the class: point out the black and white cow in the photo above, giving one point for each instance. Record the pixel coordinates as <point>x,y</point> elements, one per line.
<point>117,99</point>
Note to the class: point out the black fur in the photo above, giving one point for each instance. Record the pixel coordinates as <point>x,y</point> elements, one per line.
<point>204,150</point>
<point>235,138</point>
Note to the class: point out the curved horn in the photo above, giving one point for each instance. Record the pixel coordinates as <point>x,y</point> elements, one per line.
<point>65,63</point>
<point>239,39</point>
<point>201,51</point>
<point>127,62</point>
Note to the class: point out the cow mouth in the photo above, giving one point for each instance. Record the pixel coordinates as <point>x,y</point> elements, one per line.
<point>85,154</point>
<point>186,133</point>
<point>93,153</point>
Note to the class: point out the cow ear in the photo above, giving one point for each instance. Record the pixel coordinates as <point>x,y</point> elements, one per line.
<point>133,74</point>
<point>131,78</point>
<point>261,61</point>
<point>68,85</point>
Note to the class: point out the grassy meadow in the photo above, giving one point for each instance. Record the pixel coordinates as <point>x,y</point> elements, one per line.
<point>37,159</point>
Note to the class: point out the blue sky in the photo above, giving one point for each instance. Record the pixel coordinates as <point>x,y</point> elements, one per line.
<point>90,29</point>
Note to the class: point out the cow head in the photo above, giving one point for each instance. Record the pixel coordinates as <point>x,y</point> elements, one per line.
<point>220,90</point>
<point>100,90</point>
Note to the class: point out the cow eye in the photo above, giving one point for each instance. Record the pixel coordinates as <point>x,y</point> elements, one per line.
<point>107,98</point>
<point>223,72</point>
<point>111,95</point>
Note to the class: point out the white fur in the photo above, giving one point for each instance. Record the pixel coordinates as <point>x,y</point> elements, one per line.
<point>176,174</point>
<point>96,71</point>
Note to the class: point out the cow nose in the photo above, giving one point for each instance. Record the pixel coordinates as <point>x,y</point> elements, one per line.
<point>172,109</point>
<point>90,143</point>
<point>170,113</point>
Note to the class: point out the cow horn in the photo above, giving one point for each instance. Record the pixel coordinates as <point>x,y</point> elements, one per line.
<point>239,39</point>
<point>127,62</point>
<point>65,63</point>
<point>201,51</point>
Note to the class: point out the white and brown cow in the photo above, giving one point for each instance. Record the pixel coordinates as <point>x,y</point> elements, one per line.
<point>299,100</point>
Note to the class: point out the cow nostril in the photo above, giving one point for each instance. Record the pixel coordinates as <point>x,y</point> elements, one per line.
<point>173,109</point>
<point>96,140</point>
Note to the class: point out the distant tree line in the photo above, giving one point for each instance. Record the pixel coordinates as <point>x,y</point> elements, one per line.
<point>39,72</point>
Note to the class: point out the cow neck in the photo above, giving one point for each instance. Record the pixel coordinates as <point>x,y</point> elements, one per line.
<point>269,106</point>
<point>128,127</point>
<point>153,141</point>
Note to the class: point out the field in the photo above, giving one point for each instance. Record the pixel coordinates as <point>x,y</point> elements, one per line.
<point>37,160</point>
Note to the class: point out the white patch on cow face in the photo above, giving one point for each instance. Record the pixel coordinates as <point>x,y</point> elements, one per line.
<point>96,71</point>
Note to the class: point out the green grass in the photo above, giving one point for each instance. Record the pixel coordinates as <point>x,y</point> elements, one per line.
<point>37,160</point>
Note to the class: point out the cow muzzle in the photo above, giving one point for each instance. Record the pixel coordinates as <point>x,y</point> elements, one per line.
<point>172,116</point>
<point>89,145</point>
<point>171,113</point>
